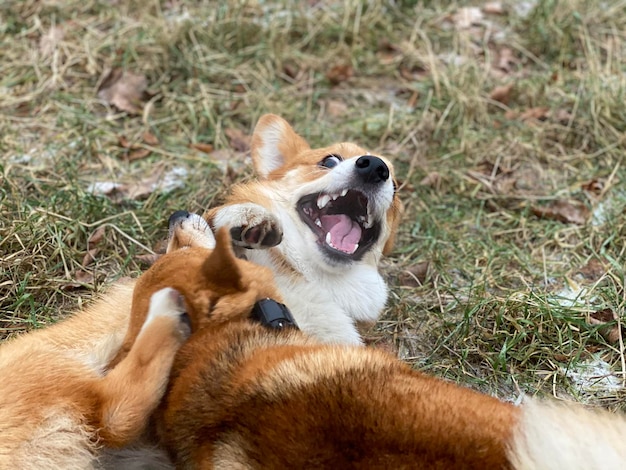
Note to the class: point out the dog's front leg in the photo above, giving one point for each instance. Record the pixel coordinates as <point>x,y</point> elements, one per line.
<point>132,390</point>
<point>251,225</point>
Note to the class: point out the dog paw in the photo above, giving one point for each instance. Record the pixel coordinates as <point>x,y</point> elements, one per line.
<point>169,303</point>
<point>251,225</point>
<point>260,233</point>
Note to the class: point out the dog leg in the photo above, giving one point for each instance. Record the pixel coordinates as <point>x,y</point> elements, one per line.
<point>251,225</point>
<point>133,389</point>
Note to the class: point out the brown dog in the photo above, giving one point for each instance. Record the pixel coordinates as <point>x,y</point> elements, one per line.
<point>243,395</point>
<point>58,406</point>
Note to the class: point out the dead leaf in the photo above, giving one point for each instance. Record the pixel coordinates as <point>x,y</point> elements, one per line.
<point>80,279</point>
<point>502,93</point>
<point>206,148</point>
<point>569,212</point>
<point>336,108</point>
<point>148,259</point>
<point>563,116</point>
<point>607,320</point>
<point>339,73</point>
<point>467,17</point>
<point>125,90</point>
<point>84,277</point>
<point>593,270</point>
<point>124,142</point>
<point>595,186</point>
<point>138,154</point>
<point>96,237</point>
<point>493,8</point>
<point>89,257</point>
<point>49,41</point>
<point>239,141</point>
<point>149,138</point>
<point>160,180</point>
<point>506,59</point>
<point>415,275</point>
<point>540,113</point>
<point>432,180</point>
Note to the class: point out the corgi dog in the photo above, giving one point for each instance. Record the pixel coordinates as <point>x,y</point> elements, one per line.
<point>320,219</point>
<point>248,395</point>
<point>60,406</point>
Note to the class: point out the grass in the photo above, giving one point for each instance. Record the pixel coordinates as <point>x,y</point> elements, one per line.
<point>505,305</point>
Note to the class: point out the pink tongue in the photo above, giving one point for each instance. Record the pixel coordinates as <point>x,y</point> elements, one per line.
<point>344,233</point>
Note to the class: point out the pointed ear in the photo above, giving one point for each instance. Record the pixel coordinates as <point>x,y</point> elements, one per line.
<point>221,268</point>
<point>274,142</point>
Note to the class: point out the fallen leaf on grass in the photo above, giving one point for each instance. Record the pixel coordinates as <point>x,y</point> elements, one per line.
<point>540,113</point>
<point>205,148</point>
<point>80,279</point>
<point>92,242</point>
<point>339,73</point>
<point>493,8</point>
<point>431,180</point>
<point>595,186</point>
<point>96,237</point>
<point>89,257</point>
<point>336,108</point>
<point>239,141</point>
<point>161,181</point>
<point>149,138</point>
<point>593,270</point>
<point>148,259</point>
<point>467,17</point>
<point>607,320</point>
<point>125,90</point>
<point>138,154</point>
<point>506,59</point>
<point>137,150</point>
<point>563,116</point>
<point>502,93</point>
<point>415,275</point>
<point>573,212</point>
<point>49,41</point>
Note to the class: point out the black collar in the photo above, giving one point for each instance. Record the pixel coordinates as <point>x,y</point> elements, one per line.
<point>272,314</point>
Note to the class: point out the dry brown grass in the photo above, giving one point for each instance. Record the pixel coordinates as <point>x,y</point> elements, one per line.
<point>414,80</point>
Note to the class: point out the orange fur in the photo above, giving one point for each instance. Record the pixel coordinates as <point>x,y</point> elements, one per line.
<point>58,405</point>
<point>245,396</point>
<point>241,393</point>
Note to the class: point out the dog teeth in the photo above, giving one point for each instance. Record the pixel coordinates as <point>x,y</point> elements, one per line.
<point>334,196</point>
<point>344,192</point>
<point>318,222</point>
<point>370,221</point>
<point>328,239</point>
<point>322,200</point>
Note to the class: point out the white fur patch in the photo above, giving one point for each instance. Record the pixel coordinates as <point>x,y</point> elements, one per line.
<point>60,442</point>
<point>553,436</point>
<point>163,303</point>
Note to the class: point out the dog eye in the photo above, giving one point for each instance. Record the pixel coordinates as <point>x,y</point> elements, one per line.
<point>331,161</point>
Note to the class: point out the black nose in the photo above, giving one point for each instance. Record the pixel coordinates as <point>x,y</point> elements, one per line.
<point>177,217</point>
<point>372,169</point>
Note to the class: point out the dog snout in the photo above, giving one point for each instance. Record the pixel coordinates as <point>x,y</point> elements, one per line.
<point>176,218</point>
<point>372,169</point>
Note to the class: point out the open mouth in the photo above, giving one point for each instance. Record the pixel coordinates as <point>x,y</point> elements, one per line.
<point>341,221</point>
